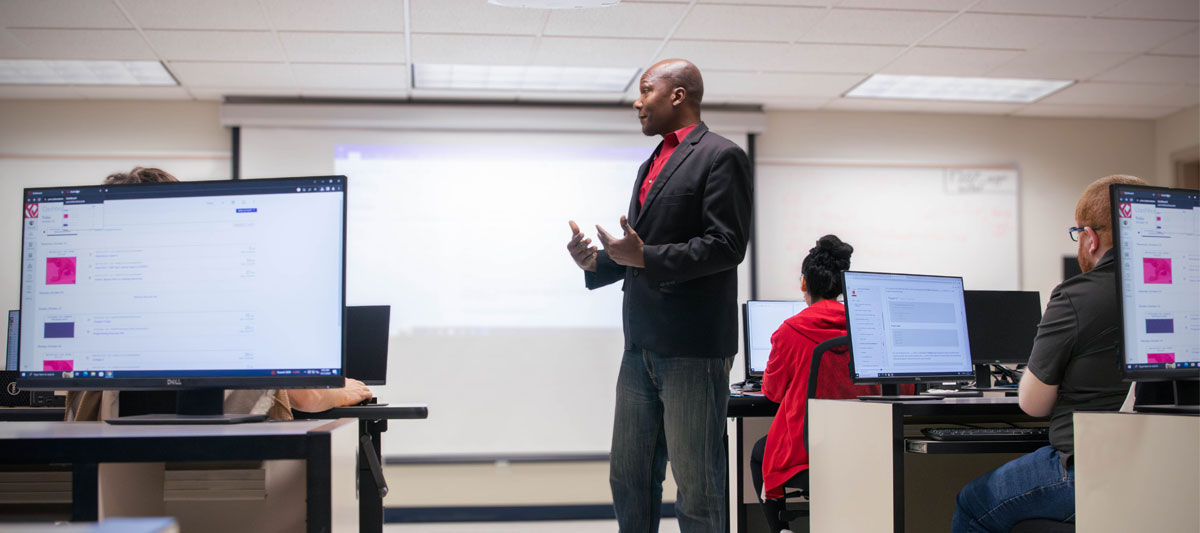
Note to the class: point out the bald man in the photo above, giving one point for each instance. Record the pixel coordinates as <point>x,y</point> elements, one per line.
<point>683,237</point>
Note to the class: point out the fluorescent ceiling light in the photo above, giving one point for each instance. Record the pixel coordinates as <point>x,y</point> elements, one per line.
<point>518,78</point>
<point>555,4</point>
<point>955,88</point>
<point>56,72</point>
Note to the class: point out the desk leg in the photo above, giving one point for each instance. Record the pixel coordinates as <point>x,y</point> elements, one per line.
<point>318,516</point>
<point>741,476</point>
<point>85,492</point>
<point>370,505</point>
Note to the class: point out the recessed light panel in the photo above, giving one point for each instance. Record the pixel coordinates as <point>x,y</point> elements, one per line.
<point>519,78</point>
<point>955,88</point>
<point>56,72</point>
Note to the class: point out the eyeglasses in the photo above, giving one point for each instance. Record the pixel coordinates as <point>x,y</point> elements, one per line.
<point>1071,232</point>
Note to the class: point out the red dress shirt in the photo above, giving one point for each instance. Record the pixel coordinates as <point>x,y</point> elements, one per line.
<point>670,143</point>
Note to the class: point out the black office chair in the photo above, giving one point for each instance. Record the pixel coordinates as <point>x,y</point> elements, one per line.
<point>797,487</point>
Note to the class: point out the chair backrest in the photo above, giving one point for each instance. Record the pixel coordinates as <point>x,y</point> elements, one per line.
<point>814,366</point>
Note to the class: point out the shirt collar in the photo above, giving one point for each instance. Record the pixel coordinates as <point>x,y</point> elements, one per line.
<point>673,138</point>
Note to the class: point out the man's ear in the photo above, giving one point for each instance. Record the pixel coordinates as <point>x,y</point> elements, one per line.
<point>1094,237</point>
<point>677,95</point>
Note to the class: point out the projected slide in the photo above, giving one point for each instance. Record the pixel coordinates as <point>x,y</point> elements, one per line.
<point>474,237</point>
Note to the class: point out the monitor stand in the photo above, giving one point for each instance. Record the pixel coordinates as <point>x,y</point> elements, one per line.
<point>891,393</point>
<point>198,406</point>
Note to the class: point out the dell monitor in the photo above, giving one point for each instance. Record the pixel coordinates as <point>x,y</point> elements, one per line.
<point>906,328</point>
<point>367,343</point>
<point>1156,242</point>
<point>1003,325</point>
<point>760,319</point>
<point>193,286</point>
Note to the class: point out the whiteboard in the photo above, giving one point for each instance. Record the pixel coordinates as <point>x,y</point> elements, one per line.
<point>952,221</point>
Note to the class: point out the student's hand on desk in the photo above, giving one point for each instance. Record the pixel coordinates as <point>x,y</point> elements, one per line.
<point>317,400</point>
<point>355,392</point>
<point>584,255</point>
<point>625,251</point>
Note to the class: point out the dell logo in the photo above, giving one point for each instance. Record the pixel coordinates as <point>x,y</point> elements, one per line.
<point>174,382</point>
<point>12,388</point>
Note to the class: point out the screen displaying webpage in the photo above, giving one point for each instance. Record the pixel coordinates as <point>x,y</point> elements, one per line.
<point>235,278</point>
<point>1159,241</point>
<point>907,326</point>
<point>762,319</point>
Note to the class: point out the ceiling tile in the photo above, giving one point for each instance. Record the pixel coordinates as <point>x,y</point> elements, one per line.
<point>439,94</point>
<point>350,76</point>
<point>39,92</point>
<point>997,31</point>
<point>793,103</point>
<point>1126,94</point>
<point>83,44</point>
<point>1058,64</point>
<point>872,26</point>
<point>197,14</point>
<point>362,94</point>
<point>562,96</point>
<point>710,55</point>
<point>61,14</point>
<point>623,20</point>
<point>1187,44</point>
<point>1099,35</point>
<point>1044,7</point>
<point>247,75</point>
<point>474,16</point>
<point>1155,69</point>
<point>949,61</point>
<point>847,58</point>
<point>219,93</point>
<point>336,15</point>
<point>320,47</point>
<point>748,23</point>
<point>1156,9</point>
<point>924,5</point>
<point>566,51</point>
<point>472,49</point>
<point>1096,111</point>
<point>201,45</point>
<point>722,84</point>
<point>133,93</point>
<point>10,47</point>
<point>921,106</point>
<point>792,3</point>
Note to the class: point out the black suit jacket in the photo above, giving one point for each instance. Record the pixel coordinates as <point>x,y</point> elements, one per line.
<point>695,225</point>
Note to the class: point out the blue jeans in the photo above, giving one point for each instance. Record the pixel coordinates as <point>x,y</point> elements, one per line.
<point>1033,486</point>
<point>670,406</point>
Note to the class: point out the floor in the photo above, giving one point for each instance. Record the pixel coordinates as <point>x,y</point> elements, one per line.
<point>668,525</point>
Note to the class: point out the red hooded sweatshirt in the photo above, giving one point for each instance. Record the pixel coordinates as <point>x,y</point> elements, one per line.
<point>786,382</point>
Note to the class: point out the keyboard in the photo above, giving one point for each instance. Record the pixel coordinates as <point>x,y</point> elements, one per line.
<point>987,434</point>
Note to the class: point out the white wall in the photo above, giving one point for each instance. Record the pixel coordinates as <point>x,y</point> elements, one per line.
<point>1172,133</point>
<point>1056,158</point>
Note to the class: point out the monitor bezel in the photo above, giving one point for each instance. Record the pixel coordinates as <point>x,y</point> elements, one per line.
<point>1137,374</point>
<point>189,382</point>
<point>968,375</point>
<point>386,310</point>
<point>746,334</point>
<point>1002,361</point>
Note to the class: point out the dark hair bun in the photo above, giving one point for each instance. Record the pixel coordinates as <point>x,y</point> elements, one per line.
<point>824,266</point>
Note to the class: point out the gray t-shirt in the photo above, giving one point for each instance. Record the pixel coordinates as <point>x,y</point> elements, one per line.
<point>1076,349</point>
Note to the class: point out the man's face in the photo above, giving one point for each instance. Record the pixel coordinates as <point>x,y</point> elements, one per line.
<point>653,105</point>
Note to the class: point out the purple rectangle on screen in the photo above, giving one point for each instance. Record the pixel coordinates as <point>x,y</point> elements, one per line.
<point>59,330</point>
<point>1160,325</point>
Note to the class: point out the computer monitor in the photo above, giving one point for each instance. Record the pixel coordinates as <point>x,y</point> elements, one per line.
<point>760,319</point>
<point>906,328</point>
<point>1156,242</point>
<point>367,343</point>
<point>184,286</point>
<point>14,322</point>
<point>1003,325</point>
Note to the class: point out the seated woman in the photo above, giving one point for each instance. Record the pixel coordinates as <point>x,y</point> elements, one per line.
<point>276,404</point>
<point>780,457</point>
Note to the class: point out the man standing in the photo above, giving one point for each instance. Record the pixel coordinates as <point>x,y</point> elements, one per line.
<point>1074,367</point>
<point>684,236</point>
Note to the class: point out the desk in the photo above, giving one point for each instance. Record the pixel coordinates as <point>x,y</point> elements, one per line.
<point>742,501</point>
<point>863,481</point>
<point>328,449</point>
<point>1137,472</point>
<point>32,414</point>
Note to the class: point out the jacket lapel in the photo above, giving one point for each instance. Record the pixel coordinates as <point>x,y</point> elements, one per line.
<point>634,210</point>
<point>681,153</point>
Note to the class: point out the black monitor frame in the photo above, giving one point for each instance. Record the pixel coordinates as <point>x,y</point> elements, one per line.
<point>746,336</point>
<point>1033,297</point>
<point>966,375</point>
<point>1138,374</point>
<point>358,318</point>
<point>187,383</point>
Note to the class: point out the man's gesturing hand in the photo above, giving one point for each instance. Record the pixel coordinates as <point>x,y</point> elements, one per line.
<point>584,255</point>
<point>624,251</point>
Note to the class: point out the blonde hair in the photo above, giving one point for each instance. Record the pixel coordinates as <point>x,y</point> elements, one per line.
<point>1094,209</point>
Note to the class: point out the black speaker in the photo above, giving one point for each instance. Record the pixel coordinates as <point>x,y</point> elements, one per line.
<point>12,396</point>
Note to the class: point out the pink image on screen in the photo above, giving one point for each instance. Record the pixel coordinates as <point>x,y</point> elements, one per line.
<point>58,366</point>
<point>60,271</point>
<point>1160,358</point>
<point>1156,270</point>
